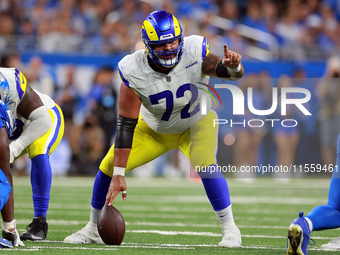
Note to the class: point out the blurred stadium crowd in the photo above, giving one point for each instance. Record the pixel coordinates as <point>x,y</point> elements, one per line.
<point>295,29</point>
<point>262,30</point>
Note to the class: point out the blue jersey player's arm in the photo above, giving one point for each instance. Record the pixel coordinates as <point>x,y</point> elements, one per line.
<point>7,203</point>
<point>4,157</point>
<point>4,148</point>
<point>6,127</point>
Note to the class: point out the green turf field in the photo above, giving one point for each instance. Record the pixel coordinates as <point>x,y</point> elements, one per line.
<point>173,216</point>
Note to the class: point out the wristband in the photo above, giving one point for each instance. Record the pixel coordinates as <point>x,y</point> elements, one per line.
<point>222,71</point>
<point>235,70</point>
<point>117,170</point>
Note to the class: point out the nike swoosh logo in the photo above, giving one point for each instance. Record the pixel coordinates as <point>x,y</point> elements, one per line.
<point>224,215</point>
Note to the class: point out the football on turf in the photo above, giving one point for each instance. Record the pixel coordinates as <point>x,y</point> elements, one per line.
<point>111,225</point>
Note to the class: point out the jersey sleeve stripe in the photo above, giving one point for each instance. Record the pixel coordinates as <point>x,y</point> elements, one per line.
<point>21,83</point>
<point>122,78</point>
<point>56,120</point>
<point>205,48</point>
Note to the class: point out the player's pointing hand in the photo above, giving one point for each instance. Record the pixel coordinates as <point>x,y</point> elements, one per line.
<point>231,59</point>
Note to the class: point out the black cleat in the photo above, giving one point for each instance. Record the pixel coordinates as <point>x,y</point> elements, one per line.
<point>36,231</point>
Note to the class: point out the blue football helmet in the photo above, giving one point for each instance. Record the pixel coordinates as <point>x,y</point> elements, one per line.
<point>162,27</point>
<point>4,89</point>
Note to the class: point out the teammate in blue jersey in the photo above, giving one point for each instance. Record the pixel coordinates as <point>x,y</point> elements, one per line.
<point>39,127</point>
<point>320,218</point>
<point>6,126</point>
<point>160,110</point>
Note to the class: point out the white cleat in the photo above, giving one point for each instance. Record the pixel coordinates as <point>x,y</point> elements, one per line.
<point>231,237</point>
<point>333,245</point>
<point>88,234</point>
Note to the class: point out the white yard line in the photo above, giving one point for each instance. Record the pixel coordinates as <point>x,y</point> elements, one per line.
<point>38,248</point>
<point>127,245</point>
<point>159,224</point>
<point>162,232</point>
<point>145,245</point>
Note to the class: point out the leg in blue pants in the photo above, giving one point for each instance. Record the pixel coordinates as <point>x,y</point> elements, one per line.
<point>328,216</point>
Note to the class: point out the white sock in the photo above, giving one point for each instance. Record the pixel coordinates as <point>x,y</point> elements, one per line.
<point>225,215</point>
<point>310,224</point>
<point>94,215</point>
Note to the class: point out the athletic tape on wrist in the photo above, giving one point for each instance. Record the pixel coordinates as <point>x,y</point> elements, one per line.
<point>9,225</point>
<point>119,170</point>
<point>235,70</point>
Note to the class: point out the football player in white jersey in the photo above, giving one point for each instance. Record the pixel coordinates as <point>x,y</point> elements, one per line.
<point>159,110</point>
<point>39,127</point>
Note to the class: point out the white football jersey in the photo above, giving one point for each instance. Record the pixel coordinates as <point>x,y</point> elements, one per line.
<point>171,103</point>
<point>17,88</point>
